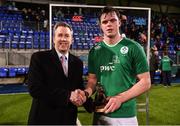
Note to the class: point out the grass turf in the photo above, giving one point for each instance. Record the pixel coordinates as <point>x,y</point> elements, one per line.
<point>163,108</point>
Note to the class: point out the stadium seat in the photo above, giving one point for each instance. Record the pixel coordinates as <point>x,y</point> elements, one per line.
<point>36,34</point>
<point>85,45</point>
<point>88,40</point>
<point>29,38</point>
<point>7,44</point>
<point>76,40</point>
<point>23,38</point>
<point>1,44</point>
<point>82,39</point>
<point>24,33</point>
<point>30,33</point>
<point>42,35</point>
<point>80,45</point>
<point>47,35</point>
<point>47,44</point>
<point>4,31</point>
<point>90,34</point>
<point>36,44</point>
<point>12,71</point>
<point>91,45</point>
<point>21,71</point>
<point>16,38</point>
<point>22,45</point>
<point>28,45</point>
<point>3,72</point>
<point>42,44</point>
<point>2,38</point>
<point>14,44</point>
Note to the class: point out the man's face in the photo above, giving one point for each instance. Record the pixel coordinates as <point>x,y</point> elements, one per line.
<point>62,39</point>
<point>110,24</point>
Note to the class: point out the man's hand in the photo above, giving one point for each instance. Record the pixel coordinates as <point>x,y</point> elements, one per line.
<point>81,95</point>
<point>75,99</point>
<point>78,97</point>
<point>113,104</point>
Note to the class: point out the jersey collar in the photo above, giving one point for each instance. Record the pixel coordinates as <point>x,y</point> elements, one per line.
<point>112,45</point>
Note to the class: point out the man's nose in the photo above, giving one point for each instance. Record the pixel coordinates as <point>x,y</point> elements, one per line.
<point>63,38</point>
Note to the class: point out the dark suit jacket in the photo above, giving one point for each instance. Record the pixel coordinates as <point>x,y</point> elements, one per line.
<point>51,89</point>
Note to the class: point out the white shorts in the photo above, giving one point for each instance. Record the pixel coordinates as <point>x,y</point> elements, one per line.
<point>104,120</point>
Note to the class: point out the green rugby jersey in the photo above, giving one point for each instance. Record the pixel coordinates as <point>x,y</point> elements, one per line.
<point>166,63</point>
<point>116,67</point>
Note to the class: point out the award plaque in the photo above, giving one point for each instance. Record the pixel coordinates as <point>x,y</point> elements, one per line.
<point>100,98</point>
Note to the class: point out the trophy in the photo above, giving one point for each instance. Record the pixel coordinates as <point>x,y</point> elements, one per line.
<point>100,98</point>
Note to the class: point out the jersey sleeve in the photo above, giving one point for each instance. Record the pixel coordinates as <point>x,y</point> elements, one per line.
<point>140,59</point>
<point>91,59</point>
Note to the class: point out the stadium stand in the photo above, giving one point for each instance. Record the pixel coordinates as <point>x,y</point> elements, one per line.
<point>8,72</point>
<point>20,29</point>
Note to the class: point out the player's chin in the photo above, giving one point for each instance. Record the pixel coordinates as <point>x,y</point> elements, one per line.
<point>63,48</point>
<point>111,35</point>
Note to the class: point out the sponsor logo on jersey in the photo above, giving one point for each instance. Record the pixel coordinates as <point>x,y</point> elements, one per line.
<point>109,67</point>
<point>115,59</point>
<point>124,50</point>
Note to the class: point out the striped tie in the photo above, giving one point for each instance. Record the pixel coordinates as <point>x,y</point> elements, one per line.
<point>64,64</point>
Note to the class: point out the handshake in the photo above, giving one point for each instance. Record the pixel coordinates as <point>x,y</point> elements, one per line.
<point>78,97</point>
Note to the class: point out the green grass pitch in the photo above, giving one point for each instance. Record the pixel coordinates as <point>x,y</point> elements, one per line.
<point>164,108</point>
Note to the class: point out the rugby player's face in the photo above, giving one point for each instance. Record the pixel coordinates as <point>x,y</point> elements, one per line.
<point>110,24</point>
<point>62,39</point>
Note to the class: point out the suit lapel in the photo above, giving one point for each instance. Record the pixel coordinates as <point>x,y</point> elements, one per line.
<point>55,60</point>
<point>70,65</point>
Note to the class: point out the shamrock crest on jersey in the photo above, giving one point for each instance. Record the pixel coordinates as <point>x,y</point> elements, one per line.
<point>124,50</point>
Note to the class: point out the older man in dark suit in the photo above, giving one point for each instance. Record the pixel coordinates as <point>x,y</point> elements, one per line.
<point>53,77</point>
